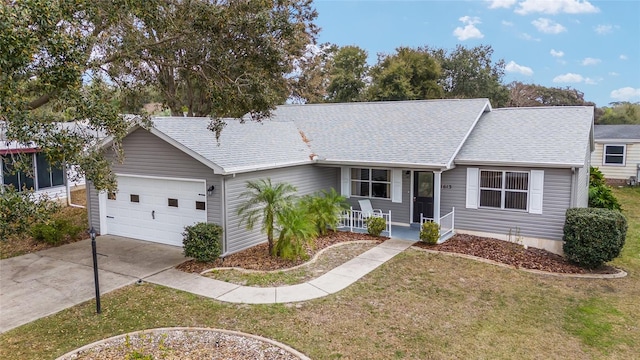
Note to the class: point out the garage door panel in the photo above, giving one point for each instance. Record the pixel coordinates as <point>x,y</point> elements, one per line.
<point>134,219</point>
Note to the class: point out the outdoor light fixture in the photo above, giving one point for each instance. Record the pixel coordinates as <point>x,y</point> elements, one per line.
<point>92,233</point>
<point>210,190</point>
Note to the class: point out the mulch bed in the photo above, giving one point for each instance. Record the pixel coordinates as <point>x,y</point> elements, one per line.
<point>512,254</point>
<point>257,257</point>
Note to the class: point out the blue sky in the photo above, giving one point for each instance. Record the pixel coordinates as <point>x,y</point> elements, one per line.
<point>591,46</point>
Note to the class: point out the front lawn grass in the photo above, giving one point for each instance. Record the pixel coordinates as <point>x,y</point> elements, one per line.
<point>416,306</point>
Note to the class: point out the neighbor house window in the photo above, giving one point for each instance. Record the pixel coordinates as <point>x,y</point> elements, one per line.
<point>504,189</point>
<point>40,173</point>
<point>614,155</point>
<point>373,183</point>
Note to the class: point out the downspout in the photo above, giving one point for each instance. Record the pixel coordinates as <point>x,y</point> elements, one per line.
<point>223,198</point>
<point>574,187</point>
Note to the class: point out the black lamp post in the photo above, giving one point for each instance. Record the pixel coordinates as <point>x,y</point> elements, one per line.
<point>92,232</point>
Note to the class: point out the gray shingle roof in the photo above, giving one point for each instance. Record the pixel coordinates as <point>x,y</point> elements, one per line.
<point>242,146</point>
<point>538,135</point>
<point>426,132</point>
<point>619,132</point>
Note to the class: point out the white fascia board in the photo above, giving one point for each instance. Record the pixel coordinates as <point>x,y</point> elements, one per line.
<point>486,108</point>
<point>519,164</point>
<point>617,141</point>
<point>383,164</point>
<point>251,168</point>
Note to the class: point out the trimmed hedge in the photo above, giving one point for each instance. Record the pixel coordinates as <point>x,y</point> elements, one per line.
<point>430,233</point>
<point>593,236</point>
<point>202,241</point>
<point>375,225</point>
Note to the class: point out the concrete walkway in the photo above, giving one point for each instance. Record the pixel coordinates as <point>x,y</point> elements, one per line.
<point>329,283</point>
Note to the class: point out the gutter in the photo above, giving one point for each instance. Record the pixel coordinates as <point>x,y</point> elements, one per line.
<point>386,164</point>
<point>520,164</point>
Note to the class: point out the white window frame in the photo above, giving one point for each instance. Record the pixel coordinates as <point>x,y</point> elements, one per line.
<point>371,182</point>
<point>504,190</point>
<point>624,154</point>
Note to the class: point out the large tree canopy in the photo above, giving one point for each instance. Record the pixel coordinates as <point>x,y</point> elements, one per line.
<point>623,112</point>
<point>347,74</point>
<point>409,74</point>
<point>471,73</point>
<point>80,58</point>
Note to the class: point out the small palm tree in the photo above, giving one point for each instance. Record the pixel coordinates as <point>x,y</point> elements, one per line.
<point>296,230</point>
<point>265,201</point>
<point>325,209</point>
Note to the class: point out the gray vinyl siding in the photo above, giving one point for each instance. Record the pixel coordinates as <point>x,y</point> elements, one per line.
<point>93,207</point>
<point>400,212</point>
<point>548,225</point>
<point>306,178</point>
<point>146,154</point>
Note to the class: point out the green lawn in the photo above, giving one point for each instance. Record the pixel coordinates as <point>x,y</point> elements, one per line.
<point>416,306</point>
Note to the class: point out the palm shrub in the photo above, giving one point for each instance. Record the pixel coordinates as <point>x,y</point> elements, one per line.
<point>264,201</point>
<point>202,241</point>
<point>600,194</point>
<point>296,229</point>
<point>325,208</point>
<point>375,225</point>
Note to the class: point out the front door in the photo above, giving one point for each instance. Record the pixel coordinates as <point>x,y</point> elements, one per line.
<point>422,195</point>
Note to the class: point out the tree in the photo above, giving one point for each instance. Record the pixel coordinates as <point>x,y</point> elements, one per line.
<point>521,95</point>
<point>620,113</point>
<point>325,209</point>
<point>471,73</point>
<point>296,228</point>
<point>347,74</point>
<point>409,74</point>
<point>264,201</point>
<point>81,58</point>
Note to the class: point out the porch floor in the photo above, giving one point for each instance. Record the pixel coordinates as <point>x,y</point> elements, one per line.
<point>399,232</point>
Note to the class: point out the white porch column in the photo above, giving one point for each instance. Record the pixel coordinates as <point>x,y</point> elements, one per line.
<point>437,177</point>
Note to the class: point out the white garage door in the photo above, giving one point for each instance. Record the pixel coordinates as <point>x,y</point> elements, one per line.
<point>155,209</point>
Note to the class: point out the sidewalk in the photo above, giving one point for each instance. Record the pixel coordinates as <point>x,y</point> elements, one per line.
<point>329,283</point>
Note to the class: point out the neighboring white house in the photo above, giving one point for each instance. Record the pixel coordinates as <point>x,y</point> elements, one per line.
<point>617,151</point>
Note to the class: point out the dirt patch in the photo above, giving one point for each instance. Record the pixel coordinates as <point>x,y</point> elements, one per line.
<point>512,254</point>
<point>258,258</point>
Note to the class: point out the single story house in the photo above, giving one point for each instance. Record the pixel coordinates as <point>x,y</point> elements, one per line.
<point>617,152</point>
<point>509,173</point>
<point>43,178</point>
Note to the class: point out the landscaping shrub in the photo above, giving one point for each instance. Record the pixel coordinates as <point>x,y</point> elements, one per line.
<point>375,225</point>
<point>600,194</point>
<point>593,236</point>
<point>296,229</point>
<point>55,231</point>
<point>430,233</point>
<point>202,241</point>
<point>20,209</point>
<point>325,208</point>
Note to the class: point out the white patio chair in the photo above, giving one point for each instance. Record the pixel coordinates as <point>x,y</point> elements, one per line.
<point>368,210</point>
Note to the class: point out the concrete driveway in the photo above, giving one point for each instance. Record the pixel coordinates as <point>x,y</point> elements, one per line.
<point>40,284</point>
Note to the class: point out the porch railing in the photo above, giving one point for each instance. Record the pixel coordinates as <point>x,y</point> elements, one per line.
<point>356,220</point>
<point>447,223</point>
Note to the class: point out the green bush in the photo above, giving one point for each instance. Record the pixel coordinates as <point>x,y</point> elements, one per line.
<point>600,194</point>
<point>325,208</point>
<point>375,225</point>
<point>55,231</point>
<point>296,229</point>
<point>593,236</point>
<point>430,233</point>
<point>20,209</point>
<point>202,241</point>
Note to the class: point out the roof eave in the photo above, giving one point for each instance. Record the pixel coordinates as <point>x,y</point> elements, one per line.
<point>251,168</point>
<point>529,164</point>
<point>388,164</point>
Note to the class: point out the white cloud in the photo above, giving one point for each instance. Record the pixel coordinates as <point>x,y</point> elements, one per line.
<point>568,78</point>
<point>470,31</point>
<point>591,81</point>
<point>496,4</point>
<point>613,73</point>
<point>515,68</point>
<point>626,94</point>
<point>555,7</point>
<point>548,26</point>
<point>603,29</point>
<point>507,23</point>
<point>555,53</point>
<point>590,61</point>
<point>529,37</point>
<point>623,57</point>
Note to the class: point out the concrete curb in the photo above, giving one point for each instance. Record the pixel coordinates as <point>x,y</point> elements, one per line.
<point>311,261</point>
<point>160,330</point>
<point>620,274</point>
